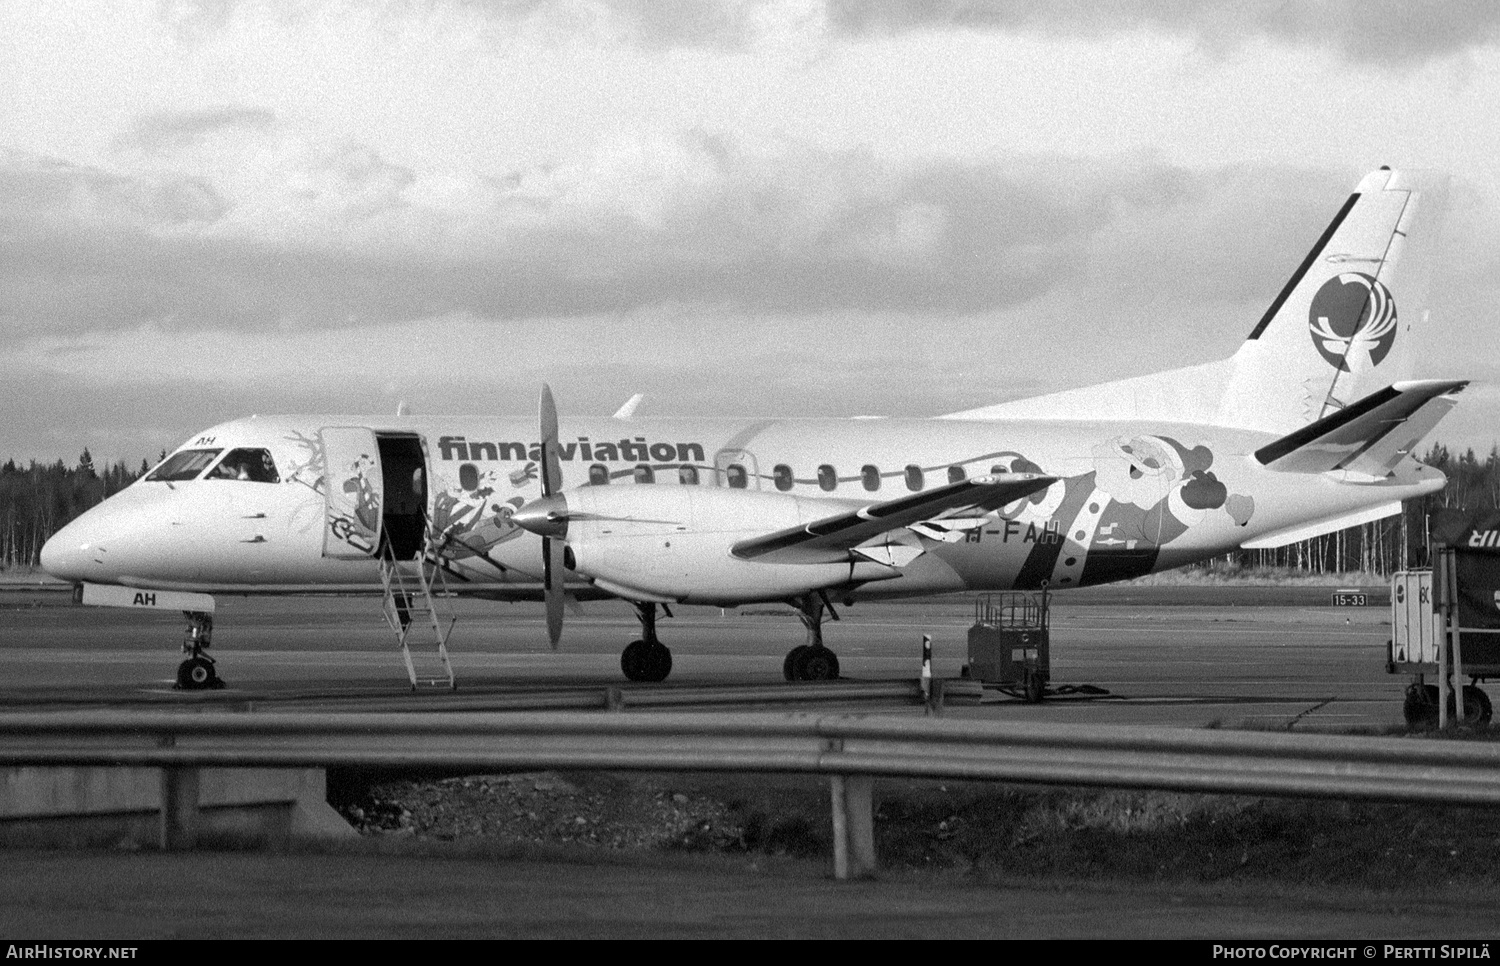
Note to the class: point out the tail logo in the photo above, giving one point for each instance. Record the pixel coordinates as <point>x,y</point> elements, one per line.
<point>1353,318</point>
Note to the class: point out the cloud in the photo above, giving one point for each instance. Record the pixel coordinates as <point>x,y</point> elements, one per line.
<point>1386,32</point>
<point>305,234</point>
<point>645,24</point>
<point>169,130</point>
<point>1392,33</point>
<point>830,282</point>
<point>1383,32</point>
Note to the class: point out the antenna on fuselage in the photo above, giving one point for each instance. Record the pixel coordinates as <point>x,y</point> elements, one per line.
<point>628,410</point>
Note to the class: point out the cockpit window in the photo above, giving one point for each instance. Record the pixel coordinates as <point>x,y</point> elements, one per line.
<point>183,465</point>
<point>250,465</point>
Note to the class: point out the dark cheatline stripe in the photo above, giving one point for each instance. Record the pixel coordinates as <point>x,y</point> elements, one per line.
<point>918,500</point>
<point>761,546</point>
<point>1103,566</point>
<point>1272,452</point>
<point>1043,557</point>
<point>1312,256</point>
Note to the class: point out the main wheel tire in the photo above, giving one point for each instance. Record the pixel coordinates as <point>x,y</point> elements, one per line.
<point>634,660</point>
<point>789,666</point>
<point>1420,708</point>
<point>816,664</point>
<point>196,674</point>
<point>658,664</point>
<point>1477,710</point>
<point>1474,696</point>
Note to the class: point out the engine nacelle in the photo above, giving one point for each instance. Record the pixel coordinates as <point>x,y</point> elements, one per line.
<point>673,543</point>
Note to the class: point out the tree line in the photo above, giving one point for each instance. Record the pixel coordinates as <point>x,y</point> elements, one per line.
<point>1398,542</point>
<point>38,499</point>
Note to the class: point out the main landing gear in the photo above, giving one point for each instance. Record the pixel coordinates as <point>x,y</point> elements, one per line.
<point>646,659</point>
<point>196,673</point>
<point>812,661</point>
<point>1421,706</point>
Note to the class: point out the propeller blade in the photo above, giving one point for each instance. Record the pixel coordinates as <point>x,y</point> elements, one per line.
<point>552,576</point>
<point>551,465</point>
<point>552,545</point>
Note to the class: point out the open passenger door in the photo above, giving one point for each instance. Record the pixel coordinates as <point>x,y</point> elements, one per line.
<point>353,492</point>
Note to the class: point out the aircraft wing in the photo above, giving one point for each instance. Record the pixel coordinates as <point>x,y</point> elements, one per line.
<point>833,538</point>
<point>1368,437</point>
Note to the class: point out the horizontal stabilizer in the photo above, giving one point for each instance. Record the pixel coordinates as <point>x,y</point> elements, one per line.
<point>1368,437</point>
<point>1309,529</point>
<point>831,539</point>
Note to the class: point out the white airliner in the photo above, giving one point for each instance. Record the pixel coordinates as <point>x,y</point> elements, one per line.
<point>1308,428</point>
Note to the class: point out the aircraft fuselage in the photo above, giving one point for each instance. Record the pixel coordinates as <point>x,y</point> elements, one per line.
<point>1131,498</point>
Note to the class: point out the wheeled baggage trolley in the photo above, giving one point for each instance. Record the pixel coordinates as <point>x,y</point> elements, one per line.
<point>1009,643</point>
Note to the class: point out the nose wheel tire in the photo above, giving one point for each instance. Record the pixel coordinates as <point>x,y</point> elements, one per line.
<point>644,661</point>
<point>197,674</point>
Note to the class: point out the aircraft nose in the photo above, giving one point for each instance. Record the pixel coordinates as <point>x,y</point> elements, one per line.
<point>68,555</point>
<point>77,551</point>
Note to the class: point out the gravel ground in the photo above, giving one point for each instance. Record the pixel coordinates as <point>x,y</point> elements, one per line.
<point>604,810</point>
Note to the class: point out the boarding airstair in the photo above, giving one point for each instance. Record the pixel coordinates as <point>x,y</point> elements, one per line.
<point>410,608</point>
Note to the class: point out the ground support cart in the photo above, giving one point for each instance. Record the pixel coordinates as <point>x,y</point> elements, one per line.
<point>1428,643</point>
<point>1008,644</point>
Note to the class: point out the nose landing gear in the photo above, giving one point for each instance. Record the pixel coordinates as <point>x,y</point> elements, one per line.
<point>647,659</point>
<point>197,673</point>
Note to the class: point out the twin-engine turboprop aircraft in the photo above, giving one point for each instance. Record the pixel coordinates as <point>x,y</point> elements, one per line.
<point>1306,429</point>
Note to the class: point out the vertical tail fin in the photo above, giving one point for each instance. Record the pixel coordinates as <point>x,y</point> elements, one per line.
<point>1345,324</point>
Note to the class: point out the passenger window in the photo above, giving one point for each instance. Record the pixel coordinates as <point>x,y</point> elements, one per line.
<point>914,480</point>
<point>828,478</point>
<point>185,465</point>
<point>249,465</point>
<point>468,476</point>
<point>782,474</point>
<point>735,476</point>
<point>687,475</point>
<point>644,474</point>
<point>956,474</point>
<point>598,474</point>
<point>869,475</point>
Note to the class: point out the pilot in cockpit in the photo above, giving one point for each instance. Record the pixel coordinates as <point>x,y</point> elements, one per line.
<point>252,465</point>
<point>231,468</point>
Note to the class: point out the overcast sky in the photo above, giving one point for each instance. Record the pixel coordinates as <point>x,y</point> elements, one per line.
<point>210,208</point>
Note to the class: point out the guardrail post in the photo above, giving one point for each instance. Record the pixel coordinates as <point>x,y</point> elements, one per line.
<point>179,807</point>
<point>853,826</point>
<point>935,697</point>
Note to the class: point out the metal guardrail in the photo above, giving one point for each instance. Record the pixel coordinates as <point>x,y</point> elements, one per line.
<point>851,748</point>
<point>1330,766</point>
<point>617,697</point>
